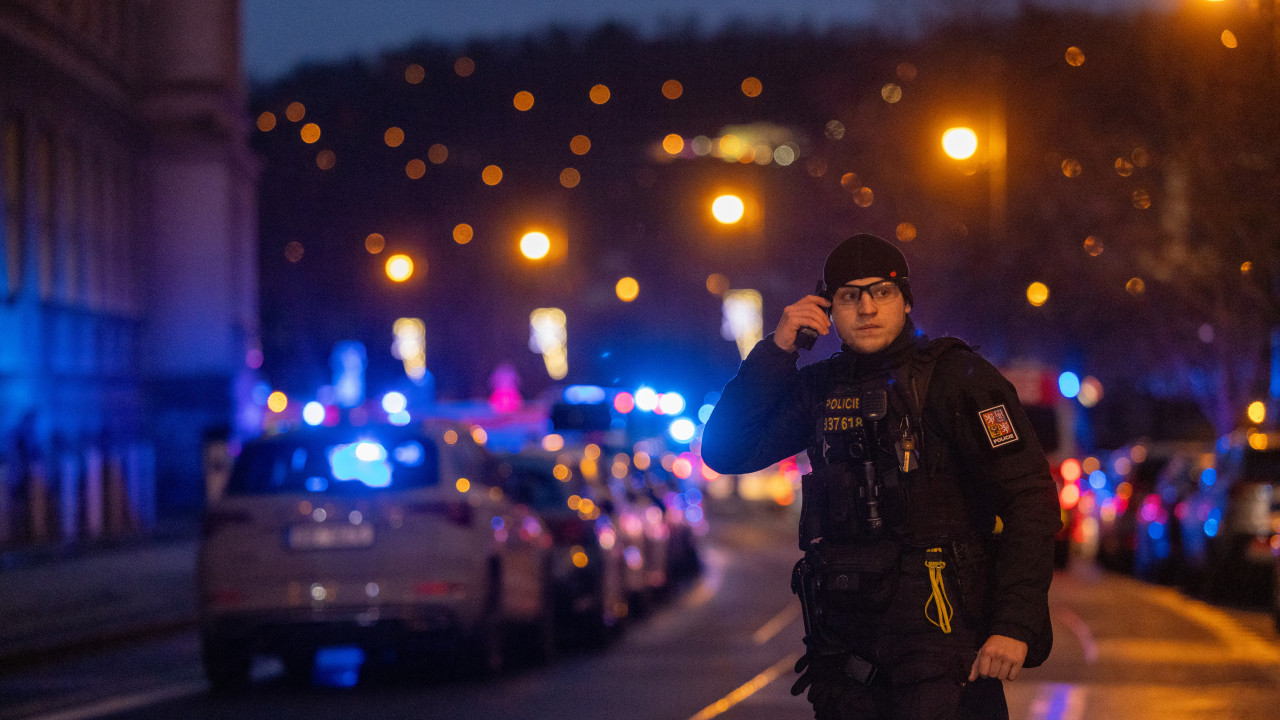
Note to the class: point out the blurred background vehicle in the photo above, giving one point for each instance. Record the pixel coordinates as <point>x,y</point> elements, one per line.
<point>1231,528</point>
<point>395,539</point>
<point>1131,474</point>
<point>1159,549</point>
<point>588,565</point>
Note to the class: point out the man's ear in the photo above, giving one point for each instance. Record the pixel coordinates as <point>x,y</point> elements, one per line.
<point>908,309</point>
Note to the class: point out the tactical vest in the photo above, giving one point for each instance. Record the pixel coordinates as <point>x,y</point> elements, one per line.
<point>878,471</point>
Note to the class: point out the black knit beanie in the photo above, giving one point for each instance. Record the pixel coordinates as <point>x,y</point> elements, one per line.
<point>863,256</point>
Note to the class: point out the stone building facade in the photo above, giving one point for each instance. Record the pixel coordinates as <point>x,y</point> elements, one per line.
<point>128,280</point>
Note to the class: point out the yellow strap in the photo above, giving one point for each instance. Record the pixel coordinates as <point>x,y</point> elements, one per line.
<point>939,596</point>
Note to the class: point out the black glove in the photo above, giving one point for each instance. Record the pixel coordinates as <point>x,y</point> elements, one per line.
<point>821,675</point>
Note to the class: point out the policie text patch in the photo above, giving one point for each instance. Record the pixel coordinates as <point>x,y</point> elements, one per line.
<point>998,426</point>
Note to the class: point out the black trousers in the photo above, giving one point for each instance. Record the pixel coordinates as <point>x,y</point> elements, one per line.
<point>923,672</point>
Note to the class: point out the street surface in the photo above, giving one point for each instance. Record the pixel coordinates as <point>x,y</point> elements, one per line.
<point>721,648</point>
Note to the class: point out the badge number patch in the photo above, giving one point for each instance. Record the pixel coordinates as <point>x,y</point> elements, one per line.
<point>998,426</point>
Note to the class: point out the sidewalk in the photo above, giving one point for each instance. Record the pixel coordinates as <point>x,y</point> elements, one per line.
<point>58,601</point>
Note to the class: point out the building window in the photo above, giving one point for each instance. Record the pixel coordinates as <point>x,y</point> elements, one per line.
<point>14,207</point>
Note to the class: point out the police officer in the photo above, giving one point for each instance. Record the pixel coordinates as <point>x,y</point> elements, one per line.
<point>928,519</point>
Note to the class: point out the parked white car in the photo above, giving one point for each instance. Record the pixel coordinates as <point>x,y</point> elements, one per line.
<point>395,538</point>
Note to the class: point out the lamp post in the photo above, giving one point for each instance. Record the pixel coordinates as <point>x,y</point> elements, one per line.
<point>990,150</point>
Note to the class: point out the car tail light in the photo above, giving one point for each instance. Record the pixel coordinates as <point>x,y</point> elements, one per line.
<point>438,589</point>
<point>458,512</point>
<point>216,520</point>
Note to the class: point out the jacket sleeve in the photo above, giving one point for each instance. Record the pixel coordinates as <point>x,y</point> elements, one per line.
<point>763,415</point>
<point>1003,456</point>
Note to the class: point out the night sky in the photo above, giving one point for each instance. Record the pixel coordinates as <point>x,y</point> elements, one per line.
<point>278,34</point>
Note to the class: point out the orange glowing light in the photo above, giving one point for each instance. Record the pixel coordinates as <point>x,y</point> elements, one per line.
<point>464,66</point>
<point>599,94</point>
<point>673,144</point>
<point>393,137</point>
<point>295,112</point>
<point>437,154</point>
<point>267,121</point>
<point>523,100</point>
<point>326,159</point>
<point>580,144</point>
<point>672,89</point>
<point>310,133</point>
<point>569,177</point>
<point>752,87</point>
<point>462,233</point>
<point>375,243</point>
<point>399,268</point>
<point>491,175</point>
<point>415,169</point>
<point>414,74</point>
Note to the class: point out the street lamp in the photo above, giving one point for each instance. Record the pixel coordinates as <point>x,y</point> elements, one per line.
<point>728,209</point>
<point>535,245</point>
<point>962,143</point>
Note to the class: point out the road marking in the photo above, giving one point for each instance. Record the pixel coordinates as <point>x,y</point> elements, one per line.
<point>1243,645</point>
<point>745,691</point>
<point>713,561</point>
<point>1080,629</point>
<point>780,621</point>
<point>1059,701</point>
<point>112,706</point>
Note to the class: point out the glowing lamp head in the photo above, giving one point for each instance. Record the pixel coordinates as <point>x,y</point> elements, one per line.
<point>728,209</point>
<point>399,268</point>
<point>535,245</point>
<point>959,143</point>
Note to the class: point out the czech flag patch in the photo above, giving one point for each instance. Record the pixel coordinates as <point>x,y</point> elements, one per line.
<point>998,426</point>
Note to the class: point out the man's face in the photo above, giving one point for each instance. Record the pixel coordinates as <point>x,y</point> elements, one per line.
<point>865,325</point>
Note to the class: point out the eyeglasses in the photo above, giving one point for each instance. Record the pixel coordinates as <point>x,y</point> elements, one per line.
<point>881,292</point>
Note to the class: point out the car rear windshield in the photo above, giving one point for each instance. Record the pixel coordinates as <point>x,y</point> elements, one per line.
<point>349,465</point>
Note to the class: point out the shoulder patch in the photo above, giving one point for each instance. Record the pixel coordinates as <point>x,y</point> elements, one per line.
<point>998,426</point>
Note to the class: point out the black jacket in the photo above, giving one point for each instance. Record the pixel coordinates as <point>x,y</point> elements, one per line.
<point>769,411</point>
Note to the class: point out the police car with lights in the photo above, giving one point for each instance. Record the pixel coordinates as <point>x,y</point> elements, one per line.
<point>399,538</point>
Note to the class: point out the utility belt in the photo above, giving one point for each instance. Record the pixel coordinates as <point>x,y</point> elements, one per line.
<point>862,580</point>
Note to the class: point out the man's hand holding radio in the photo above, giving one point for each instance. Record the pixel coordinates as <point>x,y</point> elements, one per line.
<point>810,312</point>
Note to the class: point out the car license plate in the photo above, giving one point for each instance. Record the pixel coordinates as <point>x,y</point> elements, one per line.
<point>326,537</point>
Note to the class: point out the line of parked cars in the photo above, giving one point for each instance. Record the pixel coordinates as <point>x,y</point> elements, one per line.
<point>426,550</point>
<point>1202,516</point>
